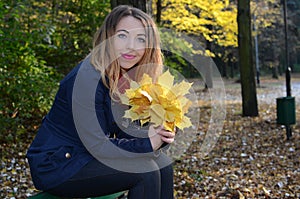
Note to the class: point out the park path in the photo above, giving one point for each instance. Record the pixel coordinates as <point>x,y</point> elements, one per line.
<point>267,92</point>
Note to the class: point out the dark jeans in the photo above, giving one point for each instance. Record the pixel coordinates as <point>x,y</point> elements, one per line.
<point>97,179</point>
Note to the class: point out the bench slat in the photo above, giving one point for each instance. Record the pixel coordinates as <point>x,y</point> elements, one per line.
<point>45,195</point>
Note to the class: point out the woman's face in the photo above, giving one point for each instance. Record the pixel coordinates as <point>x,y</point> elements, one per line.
<point>129,42</point>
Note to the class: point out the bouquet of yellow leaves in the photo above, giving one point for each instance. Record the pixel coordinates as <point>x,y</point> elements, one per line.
<point>160,103</point>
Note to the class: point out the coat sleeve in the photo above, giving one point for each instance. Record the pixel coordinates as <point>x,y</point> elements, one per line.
<point>90,108</point>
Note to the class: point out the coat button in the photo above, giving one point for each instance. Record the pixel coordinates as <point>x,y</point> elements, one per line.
<point>68,155</point>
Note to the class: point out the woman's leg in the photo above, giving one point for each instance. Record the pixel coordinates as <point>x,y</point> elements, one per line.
<point>96,179</point>
<point>165,164</point>
<point>167,182</point>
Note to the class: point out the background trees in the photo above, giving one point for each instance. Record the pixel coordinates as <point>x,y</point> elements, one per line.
<point>42,40</point>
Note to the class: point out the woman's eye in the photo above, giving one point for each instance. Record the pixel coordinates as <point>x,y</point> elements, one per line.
<point>122,36</point>
<point>141,39</point>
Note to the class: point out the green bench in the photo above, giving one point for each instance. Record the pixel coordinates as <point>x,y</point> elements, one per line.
<point>45,195</point>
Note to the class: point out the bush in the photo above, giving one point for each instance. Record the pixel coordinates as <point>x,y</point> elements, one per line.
<point>26,94</point>
<point>27,85</point>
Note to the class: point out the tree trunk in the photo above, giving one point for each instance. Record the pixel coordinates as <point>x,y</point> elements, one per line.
<point>158,13</point>
<point>141,4</point>
<point>224,71</point>
<point>248,86</point>
<point>275,72</point>
<point>208,71</point>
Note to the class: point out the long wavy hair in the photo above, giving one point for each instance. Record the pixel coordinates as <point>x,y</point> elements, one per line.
<point>103,56</point>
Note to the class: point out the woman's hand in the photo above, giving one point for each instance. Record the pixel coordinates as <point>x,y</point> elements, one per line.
<point>159,135</point>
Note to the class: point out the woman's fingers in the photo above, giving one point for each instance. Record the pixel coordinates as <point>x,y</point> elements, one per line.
<point>165,133</point>
<point>167,140</point>
<point>158,135</point>
<point>167,136</point>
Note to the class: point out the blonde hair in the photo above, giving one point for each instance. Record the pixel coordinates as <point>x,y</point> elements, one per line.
<point>103,57</point>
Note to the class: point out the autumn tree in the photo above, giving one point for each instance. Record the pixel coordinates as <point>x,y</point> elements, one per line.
<point>246,59</point>
<point>213,21</point>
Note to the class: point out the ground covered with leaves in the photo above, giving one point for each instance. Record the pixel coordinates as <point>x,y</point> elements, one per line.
<point>251,159</point>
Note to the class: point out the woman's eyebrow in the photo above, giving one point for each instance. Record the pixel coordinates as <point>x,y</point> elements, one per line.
<point>142,34</point>
<point>123,30</point>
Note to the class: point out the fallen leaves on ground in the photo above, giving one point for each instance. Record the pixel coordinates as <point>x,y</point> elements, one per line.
<point>252,158</point>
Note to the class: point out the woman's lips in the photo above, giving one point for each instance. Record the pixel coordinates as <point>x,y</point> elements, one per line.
<point>128,56</point>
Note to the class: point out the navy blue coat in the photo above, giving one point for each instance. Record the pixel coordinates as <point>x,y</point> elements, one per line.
<point>58,152</point>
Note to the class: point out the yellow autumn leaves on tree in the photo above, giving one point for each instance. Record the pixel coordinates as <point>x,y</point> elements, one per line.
<point>215,20</point>
<point>161,103</point>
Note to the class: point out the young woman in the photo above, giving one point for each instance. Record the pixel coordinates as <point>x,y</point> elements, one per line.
<point>84,147</point>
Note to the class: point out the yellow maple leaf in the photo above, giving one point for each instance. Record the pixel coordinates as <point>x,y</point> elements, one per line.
<point>157,113</point>
<point>166,80</point>
<point>160,103</point>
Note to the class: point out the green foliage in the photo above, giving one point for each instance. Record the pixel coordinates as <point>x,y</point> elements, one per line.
<point>40,40</point>
<point>69,27</point>
<point>26,95</point>
<point>63,30</point>
<point>177,49</point>
<point>27,86</point>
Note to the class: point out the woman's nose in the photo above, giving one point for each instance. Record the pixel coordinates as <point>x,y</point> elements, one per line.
<point>130,43</point>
